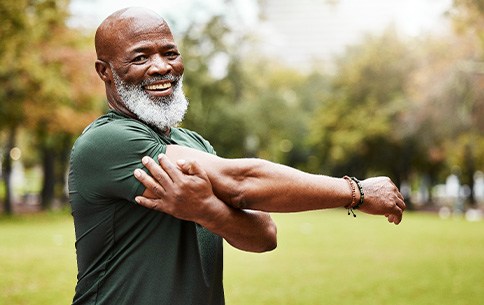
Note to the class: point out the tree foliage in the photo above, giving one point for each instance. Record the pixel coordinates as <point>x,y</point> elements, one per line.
<point>213,84</point>
<point>46,87</point>
<point>357,128</point>
<point>392,105</point>
<point>468,17</point>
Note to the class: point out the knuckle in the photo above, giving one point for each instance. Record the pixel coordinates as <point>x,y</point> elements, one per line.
<point>157,190</point>
<point>185,184</point>
<point>155,206</point>
<point>179,197</point>
<point>158,176</point>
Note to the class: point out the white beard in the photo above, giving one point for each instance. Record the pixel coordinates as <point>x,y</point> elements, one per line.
<point>162,112</point>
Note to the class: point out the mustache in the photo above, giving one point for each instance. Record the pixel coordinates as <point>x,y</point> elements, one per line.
<point>155,79</point>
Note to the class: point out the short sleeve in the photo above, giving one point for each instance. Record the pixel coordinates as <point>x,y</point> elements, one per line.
<point>104,158</point>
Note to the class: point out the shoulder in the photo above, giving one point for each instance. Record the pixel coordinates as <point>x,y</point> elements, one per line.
<point>115,126</point>
<point>104,157</point>
<point>115,140</point>
<point>191,139</point>
<point>114,133</point>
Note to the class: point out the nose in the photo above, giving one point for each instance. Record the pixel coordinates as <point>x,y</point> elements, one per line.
<point>159,66</point>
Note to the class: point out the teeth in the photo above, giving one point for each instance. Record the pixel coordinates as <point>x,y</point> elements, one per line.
<point>158,86</point>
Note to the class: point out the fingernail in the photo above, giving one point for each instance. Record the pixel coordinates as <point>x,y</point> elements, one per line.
<point>137,200</point>
<point>181,162</point>
<point>145,160</point>
<point>137,173</point>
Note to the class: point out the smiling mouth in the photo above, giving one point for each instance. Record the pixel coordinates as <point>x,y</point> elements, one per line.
<point>158,87</point>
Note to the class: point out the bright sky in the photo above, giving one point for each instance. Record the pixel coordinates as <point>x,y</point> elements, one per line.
<point>318,29</point>
<point>92,12</point>
<point>322,30</point>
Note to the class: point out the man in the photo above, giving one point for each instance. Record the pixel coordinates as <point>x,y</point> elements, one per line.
<point>171,253</point>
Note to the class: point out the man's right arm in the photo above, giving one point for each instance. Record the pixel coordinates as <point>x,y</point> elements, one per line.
<point>262,185</point>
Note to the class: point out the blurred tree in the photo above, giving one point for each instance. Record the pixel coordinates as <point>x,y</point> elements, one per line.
<point>277,107</point>
<point>468,16</point>
<point>468,19</point>
<point>14,77</point>
<point>214,84</point>
<point>448,107</point>
<point>356,129</point>
<point>245,105</point>
<point>393,106</point>
<point>49,89</point>
<point>68,90</point>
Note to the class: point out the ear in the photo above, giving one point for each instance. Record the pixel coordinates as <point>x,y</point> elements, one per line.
<point>103,70</point>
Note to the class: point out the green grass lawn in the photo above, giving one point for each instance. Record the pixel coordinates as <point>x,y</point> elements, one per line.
<point>322,258</point>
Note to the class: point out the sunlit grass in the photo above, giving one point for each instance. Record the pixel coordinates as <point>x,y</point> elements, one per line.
<point>37,260</point>
<point>329,258</point>
<point>322,258</point>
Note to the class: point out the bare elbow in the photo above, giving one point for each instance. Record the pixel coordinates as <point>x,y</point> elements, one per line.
<point>247,187</point>
<point>240,190</point>
<point>270,239</point>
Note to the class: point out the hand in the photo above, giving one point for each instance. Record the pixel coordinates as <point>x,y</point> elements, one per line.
<point>185,195</point>
<point>383,198</point>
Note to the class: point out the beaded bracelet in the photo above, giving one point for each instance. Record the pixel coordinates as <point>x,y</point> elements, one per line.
<point>352,206</point>
<point>349,207</point>
<point>362,194</point>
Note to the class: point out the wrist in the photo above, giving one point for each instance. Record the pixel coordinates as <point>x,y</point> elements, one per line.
<point>213,210</point>
<point>360,193</point>
<point>357,195</point>
<point>353,199</point>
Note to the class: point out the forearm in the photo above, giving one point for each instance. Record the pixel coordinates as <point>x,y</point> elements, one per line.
<point>262,185</point>
<point>251,231</point>
<point>190,197</point>
<point>266,186</point>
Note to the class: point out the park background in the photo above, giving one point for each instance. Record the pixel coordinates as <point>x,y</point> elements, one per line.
<point>334,87</point>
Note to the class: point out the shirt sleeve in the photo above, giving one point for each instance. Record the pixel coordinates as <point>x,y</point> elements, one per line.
<point>105,158</point>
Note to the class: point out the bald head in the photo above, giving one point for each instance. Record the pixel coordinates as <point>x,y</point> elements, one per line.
<point>121,25</point>
<point>141,67</point>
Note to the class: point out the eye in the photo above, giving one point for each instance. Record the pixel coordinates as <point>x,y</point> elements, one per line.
<point>140,58</point>
<point>172,55</point>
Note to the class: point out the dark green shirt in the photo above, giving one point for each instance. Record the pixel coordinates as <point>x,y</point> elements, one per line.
<point>128,254</point>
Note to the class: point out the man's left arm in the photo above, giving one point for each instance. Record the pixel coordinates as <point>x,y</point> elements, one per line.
<point>190,197</point>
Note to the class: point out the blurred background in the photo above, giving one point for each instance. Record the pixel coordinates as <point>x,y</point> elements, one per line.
<point>335,87</point>
<point>338,87</point>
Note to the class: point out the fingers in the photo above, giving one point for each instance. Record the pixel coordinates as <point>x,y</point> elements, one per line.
<point>191,168</point>
<point>396,219</point>
<point>162,177</point>
<point>398,206</point>
<point>396,216</point>
<point>169,168</point>
<point>155,187</point>
<point>401,204</point>
<point>149,203</point>
<point>156,171</point>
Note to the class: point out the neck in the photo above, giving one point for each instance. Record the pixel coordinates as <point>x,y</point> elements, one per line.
<point>122,110</point>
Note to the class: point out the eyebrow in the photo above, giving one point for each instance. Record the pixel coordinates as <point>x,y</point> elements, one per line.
<point>149,46</point>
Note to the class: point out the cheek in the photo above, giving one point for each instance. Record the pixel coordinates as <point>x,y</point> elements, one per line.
<point>134,75</point>
<point>178,67</point>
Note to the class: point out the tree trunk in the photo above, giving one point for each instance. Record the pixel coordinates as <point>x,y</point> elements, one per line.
<point>62,167</point>
<point>469,170</point>
<point>7,170</point>
<point>48,186</point>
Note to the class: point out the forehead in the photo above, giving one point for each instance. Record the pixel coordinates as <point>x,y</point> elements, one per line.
<point>136,33</point>
<point>136,30</point>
